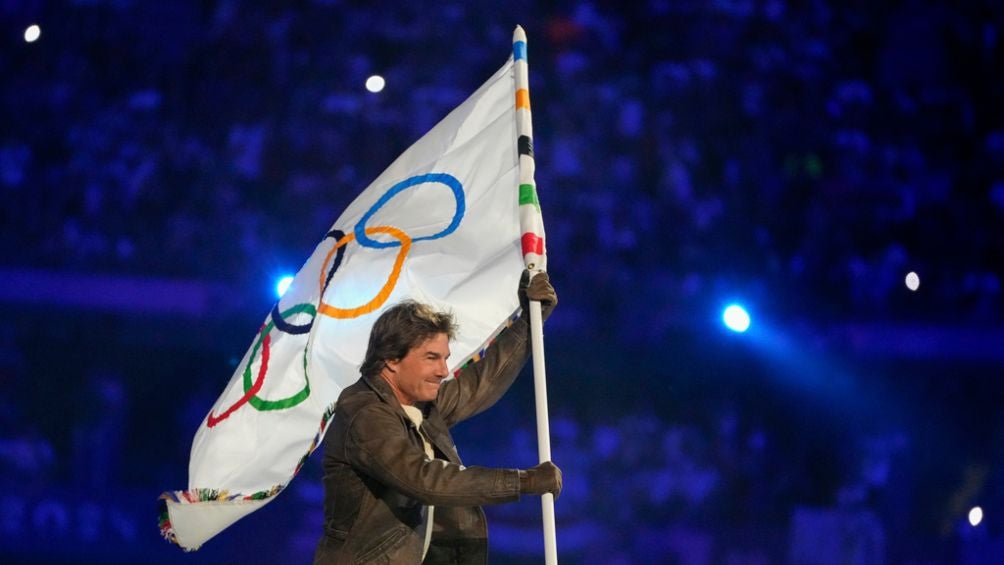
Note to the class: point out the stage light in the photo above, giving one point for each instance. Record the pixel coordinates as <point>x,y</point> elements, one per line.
<point>32,33</point>
<point>375,83</point>
<point>912,281</point>
<point>975,516</point>
<point>736,318</point>
<point>282,285</point>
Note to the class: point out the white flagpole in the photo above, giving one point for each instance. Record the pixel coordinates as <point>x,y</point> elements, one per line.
<point>532,226</point>
<point>543,428</point>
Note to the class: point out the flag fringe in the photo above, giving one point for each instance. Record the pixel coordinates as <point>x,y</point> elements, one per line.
<point>197,495</point>
<point>480,352</point>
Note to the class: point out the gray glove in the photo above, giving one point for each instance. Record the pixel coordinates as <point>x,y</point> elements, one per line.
<point>543,478</point>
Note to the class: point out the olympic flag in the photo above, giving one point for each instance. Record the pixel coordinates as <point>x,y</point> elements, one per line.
<point>442,225</point>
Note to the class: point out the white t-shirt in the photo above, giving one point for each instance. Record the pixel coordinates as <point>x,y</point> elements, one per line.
<point>415,414</point>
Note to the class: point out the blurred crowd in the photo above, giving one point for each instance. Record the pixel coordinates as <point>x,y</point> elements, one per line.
<point>640,486</point>
<point>817,151</point>
<point>696,469</point>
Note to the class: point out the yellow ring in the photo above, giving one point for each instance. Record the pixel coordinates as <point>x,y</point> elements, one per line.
<point>388,287</point>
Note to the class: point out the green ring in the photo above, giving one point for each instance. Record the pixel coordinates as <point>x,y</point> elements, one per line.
<point>291,401</point>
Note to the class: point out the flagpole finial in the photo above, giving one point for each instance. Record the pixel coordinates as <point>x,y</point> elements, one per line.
<point>518,34</point>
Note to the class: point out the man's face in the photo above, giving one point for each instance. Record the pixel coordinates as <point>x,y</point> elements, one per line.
<point>417,376</point>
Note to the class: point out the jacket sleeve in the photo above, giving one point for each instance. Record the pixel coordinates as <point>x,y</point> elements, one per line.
<point>482,384</point>
<point>379,447</point>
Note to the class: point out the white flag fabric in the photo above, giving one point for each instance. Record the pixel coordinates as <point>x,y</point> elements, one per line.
<point>440,225</point>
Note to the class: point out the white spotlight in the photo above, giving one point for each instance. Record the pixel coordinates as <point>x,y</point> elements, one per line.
<point>283,285</point>
<point>736,318</point>
<point>375,83</point>
<point>32,33</point>
<point>912,281</point>
<point>975,516</point>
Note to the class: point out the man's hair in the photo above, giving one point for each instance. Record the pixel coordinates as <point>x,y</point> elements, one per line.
<point>401,328</point>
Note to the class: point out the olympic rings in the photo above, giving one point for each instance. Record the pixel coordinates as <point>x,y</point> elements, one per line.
<point>262,342</point>
<point>388,287</point>
<point>285,327</point>
<point>334,257</point>
<point>337,235</point>
<point>361,230</point>
<point>211,420</point>
<point>281,324</point>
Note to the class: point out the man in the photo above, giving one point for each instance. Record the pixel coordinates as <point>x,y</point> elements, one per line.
<point>395,488</point>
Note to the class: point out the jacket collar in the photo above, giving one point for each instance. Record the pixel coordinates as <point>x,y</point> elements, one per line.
<point>434,425</point>
<point>386,394</point>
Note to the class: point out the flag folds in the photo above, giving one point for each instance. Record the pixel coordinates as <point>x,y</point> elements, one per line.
<point>440,225</point>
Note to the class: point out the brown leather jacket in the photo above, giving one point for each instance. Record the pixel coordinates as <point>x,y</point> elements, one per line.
<point>378,481</point>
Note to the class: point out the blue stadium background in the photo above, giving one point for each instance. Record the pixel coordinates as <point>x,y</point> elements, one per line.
<point>163,163</point>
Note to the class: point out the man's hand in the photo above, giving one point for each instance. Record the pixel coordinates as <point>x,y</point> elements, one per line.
<point>541,479</point>
<point>540,289</point>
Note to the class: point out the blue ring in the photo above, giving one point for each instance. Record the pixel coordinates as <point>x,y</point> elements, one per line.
<point>442,178</point>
